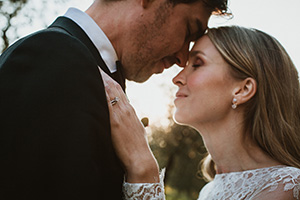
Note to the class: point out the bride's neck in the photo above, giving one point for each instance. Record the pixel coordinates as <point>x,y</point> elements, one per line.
<point>232,151</point>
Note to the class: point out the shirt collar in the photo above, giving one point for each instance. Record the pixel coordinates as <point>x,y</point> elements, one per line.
<point>96,35</point>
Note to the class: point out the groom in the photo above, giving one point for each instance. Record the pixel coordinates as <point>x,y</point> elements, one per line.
<point>54,120</point>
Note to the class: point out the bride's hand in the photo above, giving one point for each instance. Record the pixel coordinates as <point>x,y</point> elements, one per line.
<point>129,136</point>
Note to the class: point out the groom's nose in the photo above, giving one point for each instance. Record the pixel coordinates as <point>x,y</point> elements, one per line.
<point>182,55</point>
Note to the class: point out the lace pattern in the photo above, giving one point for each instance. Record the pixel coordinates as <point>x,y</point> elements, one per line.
<point>145,191</point>
<point>252,183</point>
<point>290,180</point>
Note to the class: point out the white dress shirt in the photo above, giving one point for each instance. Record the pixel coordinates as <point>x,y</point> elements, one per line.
<point>96,35</point>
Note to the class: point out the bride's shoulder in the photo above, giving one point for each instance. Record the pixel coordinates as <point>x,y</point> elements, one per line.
<point>283,183</point>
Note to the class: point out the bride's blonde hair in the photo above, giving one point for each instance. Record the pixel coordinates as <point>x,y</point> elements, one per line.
<point>272,116</point>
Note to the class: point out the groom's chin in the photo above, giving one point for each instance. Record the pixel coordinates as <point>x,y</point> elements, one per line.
<point>139,78</point>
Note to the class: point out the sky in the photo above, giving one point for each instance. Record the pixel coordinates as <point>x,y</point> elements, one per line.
<point>276,17</point>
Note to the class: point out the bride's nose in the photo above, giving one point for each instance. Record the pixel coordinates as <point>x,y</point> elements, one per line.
<point>179,79</point>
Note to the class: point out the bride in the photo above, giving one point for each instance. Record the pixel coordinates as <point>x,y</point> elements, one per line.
<point>240,91</point>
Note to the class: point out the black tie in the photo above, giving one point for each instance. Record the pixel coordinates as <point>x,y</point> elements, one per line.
<point>118,75</point>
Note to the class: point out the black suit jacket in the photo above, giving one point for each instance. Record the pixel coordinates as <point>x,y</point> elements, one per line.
<point>55,138</point>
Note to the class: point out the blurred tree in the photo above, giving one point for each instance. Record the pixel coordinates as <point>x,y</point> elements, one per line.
<point>179,149</point>
<point>8,10</point>
<point>15,14</point>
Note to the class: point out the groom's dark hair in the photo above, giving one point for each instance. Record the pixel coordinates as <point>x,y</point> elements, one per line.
<point>219,7</point>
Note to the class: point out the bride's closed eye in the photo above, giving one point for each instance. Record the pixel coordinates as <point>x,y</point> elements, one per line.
<point>197,62</point>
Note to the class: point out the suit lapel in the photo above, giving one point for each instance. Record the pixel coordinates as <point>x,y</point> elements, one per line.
<point>73,29</point>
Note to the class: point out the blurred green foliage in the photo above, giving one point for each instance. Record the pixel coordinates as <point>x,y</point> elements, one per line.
<point>179,149</point>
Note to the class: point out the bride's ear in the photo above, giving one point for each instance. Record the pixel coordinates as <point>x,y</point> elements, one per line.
<point>245,90</point>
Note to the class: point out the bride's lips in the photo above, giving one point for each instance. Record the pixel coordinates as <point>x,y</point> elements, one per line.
<point>180,95</point>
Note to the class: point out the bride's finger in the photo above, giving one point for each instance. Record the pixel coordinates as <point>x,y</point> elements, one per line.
<point>109,85</point>
<point>113,89</point>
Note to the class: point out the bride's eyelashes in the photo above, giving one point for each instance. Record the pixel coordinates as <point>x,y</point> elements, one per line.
<point>197,62</point>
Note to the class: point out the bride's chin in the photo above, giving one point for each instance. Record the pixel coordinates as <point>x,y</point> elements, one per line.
<point>178,119</point>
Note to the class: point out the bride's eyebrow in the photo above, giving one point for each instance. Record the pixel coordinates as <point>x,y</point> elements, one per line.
<point>194,53</point>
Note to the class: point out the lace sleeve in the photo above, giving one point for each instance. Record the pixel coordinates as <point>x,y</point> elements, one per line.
<point>290,182</point>
<point>285,184</point>
<point>144,191</point>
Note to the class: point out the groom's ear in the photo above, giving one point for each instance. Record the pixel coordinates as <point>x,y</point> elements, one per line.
<point>245,90</point>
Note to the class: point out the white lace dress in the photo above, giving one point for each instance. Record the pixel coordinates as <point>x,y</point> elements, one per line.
<point>145,191</point>
<point>253,184</point>
<point>244,185</point>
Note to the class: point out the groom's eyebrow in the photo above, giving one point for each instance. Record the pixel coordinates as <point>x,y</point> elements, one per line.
<point>201,30</point>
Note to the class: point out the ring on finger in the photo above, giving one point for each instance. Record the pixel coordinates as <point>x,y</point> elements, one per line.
<point>114,101</point>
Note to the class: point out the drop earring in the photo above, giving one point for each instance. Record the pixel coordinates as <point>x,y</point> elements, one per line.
<point>234,103</point>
